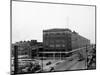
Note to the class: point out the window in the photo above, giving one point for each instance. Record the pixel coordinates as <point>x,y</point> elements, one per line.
<point>51,45</point>
<point>58,45</point>
<point>46,34</point>
<point>63,33</point>
<point>51,41</point>
<point>57,41</point>
<point>63,45</point>
<point>63,41</point>
<point>57,33</point>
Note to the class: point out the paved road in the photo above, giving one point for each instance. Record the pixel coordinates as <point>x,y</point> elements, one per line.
<point>79,65</point>
<point>70,65</point>
<point>65,65</point>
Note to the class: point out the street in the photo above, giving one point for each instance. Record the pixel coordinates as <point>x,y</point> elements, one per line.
<point>70,65</point>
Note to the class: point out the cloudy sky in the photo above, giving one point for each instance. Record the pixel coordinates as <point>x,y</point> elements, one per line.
<point>30,19</point>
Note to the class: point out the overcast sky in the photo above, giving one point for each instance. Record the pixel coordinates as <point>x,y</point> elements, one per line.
<point>30,19</point>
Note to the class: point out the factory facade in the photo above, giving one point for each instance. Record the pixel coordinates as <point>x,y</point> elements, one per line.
<point>56,42</point>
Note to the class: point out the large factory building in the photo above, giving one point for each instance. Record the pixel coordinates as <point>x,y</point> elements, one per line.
<point>58,41</point>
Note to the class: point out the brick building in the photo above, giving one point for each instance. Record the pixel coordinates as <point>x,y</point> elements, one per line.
<point>78,41</point>
<point>27,48</point>
<point>58,41</point>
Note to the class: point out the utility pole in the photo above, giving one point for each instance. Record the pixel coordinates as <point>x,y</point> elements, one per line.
<point>86,58</point>
<point>42,62</point>
<point>15,59</point>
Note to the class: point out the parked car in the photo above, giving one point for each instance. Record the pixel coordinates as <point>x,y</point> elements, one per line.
<point>49,63</point>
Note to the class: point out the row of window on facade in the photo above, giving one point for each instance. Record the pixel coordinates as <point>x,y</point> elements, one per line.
<point>55,41</point>
<point>56,45</point>
<point>55,33</point>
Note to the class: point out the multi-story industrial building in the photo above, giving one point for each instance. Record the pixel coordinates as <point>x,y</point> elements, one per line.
<point>56,42</point>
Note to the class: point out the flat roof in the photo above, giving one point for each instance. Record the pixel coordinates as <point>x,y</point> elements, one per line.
<point>57,29</point>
